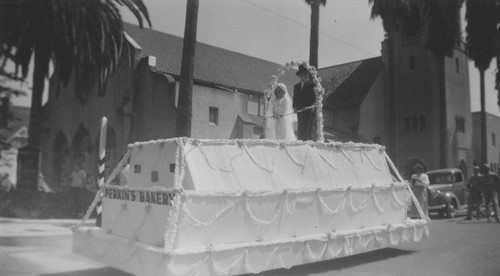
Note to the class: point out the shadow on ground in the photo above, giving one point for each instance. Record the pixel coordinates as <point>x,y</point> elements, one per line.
<point>105,271</point>
<point>340,263</point>
<point>320,267</point>
<point>31,204</point>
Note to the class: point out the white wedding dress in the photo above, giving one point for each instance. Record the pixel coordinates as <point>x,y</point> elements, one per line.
<point>279,127</point>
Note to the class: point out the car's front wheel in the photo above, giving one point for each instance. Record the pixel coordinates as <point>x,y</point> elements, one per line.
<point>451,211</point>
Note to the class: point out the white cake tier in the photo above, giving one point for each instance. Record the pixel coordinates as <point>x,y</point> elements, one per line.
<point>255,165</point>
<point>223,218</point>
<point>145,260</point>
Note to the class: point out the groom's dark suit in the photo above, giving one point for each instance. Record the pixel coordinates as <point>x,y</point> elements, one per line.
<point>303,97</point>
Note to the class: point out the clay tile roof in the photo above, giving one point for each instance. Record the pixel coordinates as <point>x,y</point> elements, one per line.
<point>257,120</point>
<point>346,85</point>
<point>213,66</point>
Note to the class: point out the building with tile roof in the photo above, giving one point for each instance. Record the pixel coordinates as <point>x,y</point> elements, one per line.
<point>391,101</point>
<point>140,101</point>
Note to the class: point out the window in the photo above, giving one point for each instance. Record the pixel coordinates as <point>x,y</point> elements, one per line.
<point>422,124</point>
<point>457,65</point>
<point>258,132</point>
<point>460,124</point>
<point>493,139</point>
<point>407,124</point>
<point>213,115</point>
<point>458,177</point>
<point>253,105</point>
<point>415,124</point>
<point>412,63</point>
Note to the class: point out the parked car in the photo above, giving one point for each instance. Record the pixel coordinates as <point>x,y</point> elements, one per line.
<point>447,192</point>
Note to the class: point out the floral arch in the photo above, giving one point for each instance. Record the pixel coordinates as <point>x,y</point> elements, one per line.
<point>318,90</point>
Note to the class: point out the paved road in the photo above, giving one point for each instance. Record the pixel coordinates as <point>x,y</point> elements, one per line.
<point>455,247</point>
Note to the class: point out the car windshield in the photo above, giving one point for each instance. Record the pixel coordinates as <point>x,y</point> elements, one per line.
<point>440,178</point>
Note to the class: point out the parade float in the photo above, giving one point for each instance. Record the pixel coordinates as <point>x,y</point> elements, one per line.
<point>229,207</point>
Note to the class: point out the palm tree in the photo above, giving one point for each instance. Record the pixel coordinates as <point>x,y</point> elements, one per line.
<point>497,79</point>
<point>185,105</point>
<point>314,37</point>
<point>442,38</point>
<point>481,30</point>
<point>69,34</point>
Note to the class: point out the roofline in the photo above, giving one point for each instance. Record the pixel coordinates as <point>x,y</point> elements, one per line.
<point>132,41</point>
<point>489,113</point>
<point>213,84</point>
<point>204,43</point>
<point>350,62</point>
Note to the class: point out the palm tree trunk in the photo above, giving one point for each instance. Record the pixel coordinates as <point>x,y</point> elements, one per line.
<point>36,116</point>
<point>484,137</point>
<point>443,129</point>
<point>185,105</point>
<point>391,74</point>
<point>313,40</point>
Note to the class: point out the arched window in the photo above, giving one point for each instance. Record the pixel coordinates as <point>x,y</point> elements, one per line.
<point>61,167</point>
<point>412,63</point>
<point>423,124</point>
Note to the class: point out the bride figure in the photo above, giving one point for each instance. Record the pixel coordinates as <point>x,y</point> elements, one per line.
<point>279,119</point>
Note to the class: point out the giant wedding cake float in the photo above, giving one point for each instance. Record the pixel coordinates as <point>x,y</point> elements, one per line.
<point>228,207</point>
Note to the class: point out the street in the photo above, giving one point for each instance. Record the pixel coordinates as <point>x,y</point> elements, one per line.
<point>455,247</point>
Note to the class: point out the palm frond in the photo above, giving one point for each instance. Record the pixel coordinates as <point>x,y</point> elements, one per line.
<point>481,30</point>
<point>322,2</point>
<point>392,12</point>
<point>77,33</point>
<point>443,20</point>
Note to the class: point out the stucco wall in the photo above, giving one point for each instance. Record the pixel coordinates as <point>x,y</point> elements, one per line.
<point>416,96</point>
<point>458,104</point>
<point>229,104</point>
<point>66,114</point>
<point>373,112</point>
<point>492,126</point>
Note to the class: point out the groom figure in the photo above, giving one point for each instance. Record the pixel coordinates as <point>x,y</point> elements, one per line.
<point>303,96</point>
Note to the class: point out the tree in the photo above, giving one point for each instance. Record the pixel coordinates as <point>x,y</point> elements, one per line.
<point>481,30</point>
<point>75,34</point>
<point>185,106</point>
<point>314,36</point>
<point>497,79</point>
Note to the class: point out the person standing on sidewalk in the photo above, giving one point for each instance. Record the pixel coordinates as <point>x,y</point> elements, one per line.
<point>78,181</point>
<point>474,197</point>
<point>420,184</point>
<point>488,184</point>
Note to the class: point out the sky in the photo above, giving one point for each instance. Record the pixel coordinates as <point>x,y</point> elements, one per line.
<point>278,31</point>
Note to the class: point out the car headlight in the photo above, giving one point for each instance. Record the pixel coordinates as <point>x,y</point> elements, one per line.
<point>435,193</point>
